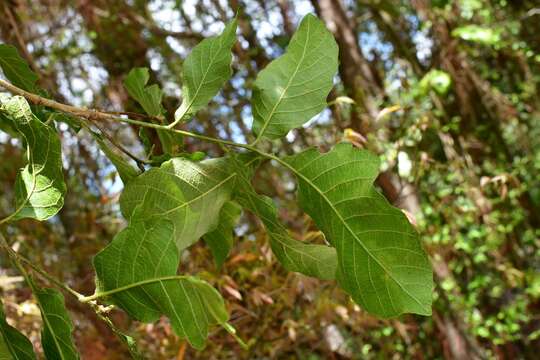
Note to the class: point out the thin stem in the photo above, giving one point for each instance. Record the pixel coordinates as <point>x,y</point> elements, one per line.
<point>17,259</point>
<point>93,114</point>
<point>140,162</point>
<point>45,275</point>
<point>98,295</point>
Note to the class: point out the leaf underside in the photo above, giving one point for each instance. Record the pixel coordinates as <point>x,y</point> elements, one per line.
<point>189,194</point>
<point>309,259</point>
<point>382,264</point>
<point>144,257</point>
<point>39,187</point>
<point>168,208</point>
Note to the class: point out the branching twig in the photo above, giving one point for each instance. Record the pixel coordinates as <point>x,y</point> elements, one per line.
<point>140,162</point>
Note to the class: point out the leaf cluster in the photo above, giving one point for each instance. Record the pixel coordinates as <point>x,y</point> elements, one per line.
<point>371,249</point>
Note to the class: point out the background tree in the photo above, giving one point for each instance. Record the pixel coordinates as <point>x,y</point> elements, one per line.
<point>444,91</point>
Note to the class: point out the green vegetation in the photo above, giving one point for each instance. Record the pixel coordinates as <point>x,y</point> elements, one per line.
<point>365,179</point>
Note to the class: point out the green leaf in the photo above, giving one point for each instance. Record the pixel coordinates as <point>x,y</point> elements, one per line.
<point>293,88</point>
<point>149,97</point>
<point>126,171</point>
<point>479,34</point>
<point>57,326</point>
<point>437,80</point>
<point>189,194</point>
<point>13,344</point>
<point>16,69</point>
<point>205,71</point>
<point>221,239</point>
<point>138,272</point>
<point>309,259</point>
<point>382,264</point>
<point>40,187</point>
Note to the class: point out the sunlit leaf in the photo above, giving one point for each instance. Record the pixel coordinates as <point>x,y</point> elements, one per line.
<point>40,187</point>
<point>381,262</point>
<point>189,194</point>
<point>293,88</point>
<point>205,70</point>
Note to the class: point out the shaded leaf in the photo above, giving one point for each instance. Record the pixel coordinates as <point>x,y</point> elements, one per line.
<point>56,337</point>
<point>138,269</point>
<point>149,97</point>
<point>220,240</point>
<point>126,171</point>
<point>293,88</point>
<point>189,194</point>
<point>40,187</point>
<point>382,264</point>
<point>205,70</point>
<point>16,69</point>
<point>13,344</point>
<point>309,259</point>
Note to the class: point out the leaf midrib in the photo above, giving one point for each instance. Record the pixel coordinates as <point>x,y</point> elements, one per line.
<point>269,117</point>
<point>201,195</point>
<point>194,97</point>
<point>48,325</point>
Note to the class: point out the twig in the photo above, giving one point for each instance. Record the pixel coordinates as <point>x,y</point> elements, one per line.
<point>17,259</point>
<point>140,162</point>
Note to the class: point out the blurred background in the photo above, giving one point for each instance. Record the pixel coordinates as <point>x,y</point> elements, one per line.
<point>446,92</point>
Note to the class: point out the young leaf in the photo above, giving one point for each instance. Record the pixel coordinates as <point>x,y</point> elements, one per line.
<point>381,260</point>
<point>138,272</point>
<point>189,194</point>
<point>205,70</point>
<point>126,171</point>
<point>16,69</point>
<point>40,187</point>
<point>220,240</point>
<point>57,326</point>
<point>309,259</point>
<point>149,97</point>
<point>13,344</point>
<point>293,88</point>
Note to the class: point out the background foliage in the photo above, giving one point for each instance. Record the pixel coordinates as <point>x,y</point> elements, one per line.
<point>444,91</point>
